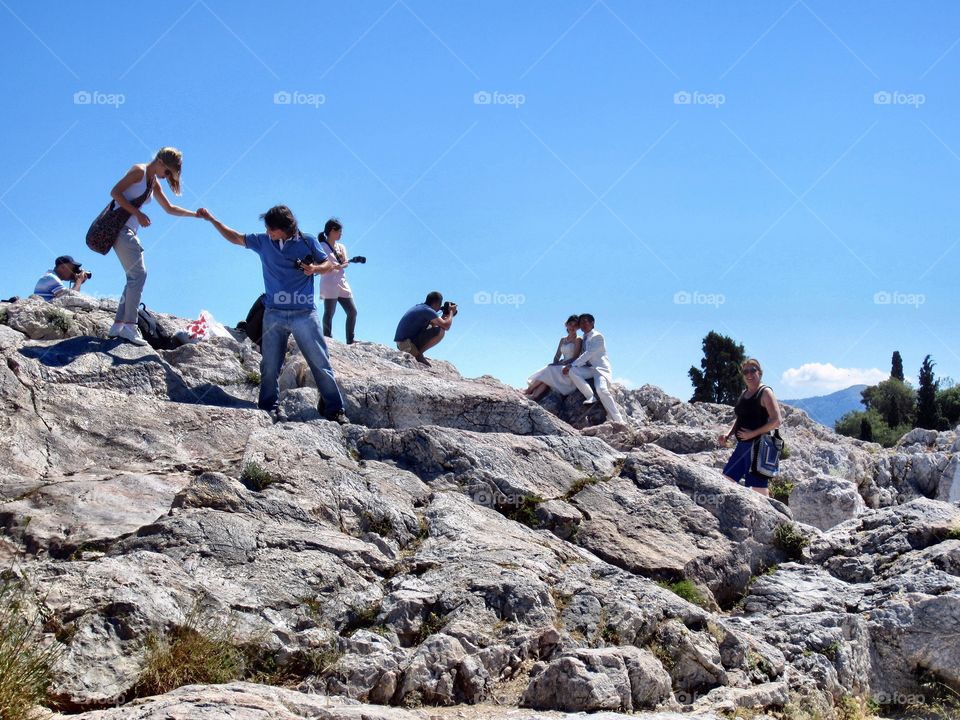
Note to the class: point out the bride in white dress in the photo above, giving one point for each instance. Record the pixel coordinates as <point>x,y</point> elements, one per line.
<point>552,375</point>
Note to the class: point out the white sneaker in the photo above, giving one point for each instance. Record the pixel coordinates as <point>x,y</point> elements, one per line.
<point>131,333</point>
<point>590,401</point>
<point>115,329</point>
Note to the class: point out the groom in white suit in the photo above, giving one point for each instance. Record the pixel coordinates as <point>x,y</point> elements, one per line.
<point>594,363</point>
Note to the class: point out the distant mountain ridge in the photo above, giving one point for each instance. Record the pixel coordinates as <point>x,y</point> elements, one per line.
<point>827,409</point>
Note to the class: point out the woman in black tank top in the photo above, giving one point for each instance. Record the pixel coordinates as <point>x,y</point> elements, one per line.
<point>757,413</point>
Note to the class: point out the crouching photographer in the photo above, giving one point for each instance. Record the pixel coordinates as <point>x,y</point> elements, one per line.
<point>423,326</point>
<point>65,269</point>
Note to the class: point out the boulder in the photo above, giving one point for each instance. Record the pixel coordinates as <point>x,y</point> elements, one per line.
<point>825,501</point>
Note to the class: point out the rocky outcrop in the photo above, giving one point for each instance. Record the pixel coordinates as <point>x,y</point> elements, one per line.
<point>456,544</point>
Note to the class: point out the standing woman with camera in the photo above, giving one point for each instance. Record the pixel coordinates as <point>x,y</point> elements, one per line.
<point>132,192</point>
<point>334,287</point>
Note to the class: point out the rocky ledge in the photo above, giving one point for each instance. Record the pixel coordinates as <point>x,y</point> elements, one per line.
<point>458,547</point>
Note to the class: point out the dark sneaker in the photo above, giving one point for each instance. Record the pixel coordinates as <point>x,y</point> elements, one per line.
<point>339,417</point>
<point>422,360</point>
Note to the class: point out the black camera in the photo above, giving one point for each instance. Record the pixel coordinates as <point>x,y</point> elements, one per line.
<point>447,308</point>
<point>86,274</point>
<point>305,260</point>
<point>360,259</point>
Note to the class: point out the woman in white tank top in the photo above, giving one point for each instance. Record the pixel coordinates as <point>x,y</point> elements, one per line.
<point>141,179</point>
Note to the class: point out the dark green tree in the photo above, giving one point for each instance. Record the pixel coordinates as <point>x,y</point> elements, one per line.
<point>866,430</point>
<point>895,401</point>
<point>896,366</point>
<point>949,403</point>
<point>928,415</point>
<point>852,425</point>
<point>718,379</point>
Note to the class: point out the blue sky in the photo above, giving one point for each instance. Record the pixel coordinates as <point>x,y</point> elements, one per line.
<point>781,172</point>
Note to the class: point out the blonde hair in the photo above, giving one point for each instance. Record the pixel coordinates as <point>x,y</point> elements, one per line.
<point>752,362</point>
<point>172,159</point>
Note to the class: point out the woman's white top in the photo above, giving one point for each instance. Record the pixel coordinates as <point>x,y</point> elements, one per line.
<point>568,351</point>
<point>135,191</point>
<point>334,285</point>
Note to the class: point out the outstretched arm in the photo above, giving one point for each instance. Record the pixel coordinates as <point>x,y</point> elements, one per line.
<point>229,234</point>
<point>170,208</point>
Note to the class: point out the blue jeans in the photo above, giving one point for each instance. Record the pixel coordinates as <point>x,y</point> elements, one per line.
<point>305,326</point>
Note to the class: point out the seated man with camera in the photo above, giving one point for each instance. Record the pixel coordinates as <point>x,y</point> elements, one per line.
<point>290,259</point>
<point>65,269</point>
<point>424,325</point>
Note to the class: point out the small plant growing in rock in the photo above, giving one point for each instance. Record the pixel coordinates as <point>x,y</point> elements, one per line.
<point>60,319</point>
<point>609,634</point>
<point>252,378</point>
<point>431,625</point>
<point>26,667</point>
<point>581,484</point>
<point>849,708</point>
<point>954,533</point>
<point>378,525</point>
<point>525,511</point>
<point>255,477</point>
<point>688,591</point>
<point>200,651</point>
<point>938,701</point>
<point>780,489</point>
<point>362,618</point>
<point>789,539</point>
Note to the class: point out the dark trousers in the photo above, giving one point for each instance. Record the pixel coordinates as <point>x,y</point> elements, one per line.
<point>330,307</point>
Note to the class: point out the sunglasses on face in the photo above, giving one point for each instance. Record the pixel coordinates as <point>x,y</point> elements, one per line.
<point>750,371</point>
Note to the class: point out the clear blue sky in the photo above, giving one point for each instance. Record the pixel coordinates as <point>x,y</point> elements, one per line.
<point>782,198</point>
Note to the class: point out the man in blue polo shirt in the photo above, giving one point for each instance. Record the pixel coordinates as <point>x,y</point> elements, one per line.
<point>290,259</point>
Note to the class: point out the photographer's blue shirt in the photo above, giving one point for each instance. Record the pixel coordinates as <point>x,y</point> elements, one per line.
<point>49,286</point>
<point>286,285</point>
<point>414,322</point>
